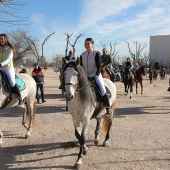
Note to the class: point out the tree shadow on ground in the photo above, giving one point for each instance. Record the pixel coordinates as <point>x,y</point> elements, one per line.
<point>41,109</point>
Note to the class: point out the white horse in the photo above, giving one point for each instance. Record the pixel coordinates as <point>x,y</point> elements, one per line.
<point>82,102</point>
<point>29,107</point>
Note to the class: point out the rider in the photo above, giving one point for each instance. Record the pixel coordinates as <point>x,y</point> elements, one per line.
<point>135,67</point>
<point>7,53</point>
<point>128,67</point>
<point>90,60</point>
<point>70,57</point>
<point>107,62</point>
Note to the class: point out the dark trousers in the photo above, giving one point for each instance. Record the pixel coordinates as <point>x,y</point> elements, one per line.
<point>41,87</point>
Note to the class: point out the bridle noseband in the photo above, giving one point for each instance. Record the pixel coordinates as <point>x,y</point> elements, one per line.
<point>75,86</point>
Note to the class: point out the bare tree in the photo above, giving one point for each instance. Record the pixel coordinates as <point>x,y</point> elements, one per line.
<point>21,46</point>
<point>57,60</point>
<point>113,52</point>
<point>139,49</point>
<point>67,41</point>
<point>9,10</point>
<point>74,44</point>
<point>103,45</point>
<point>34,47</point>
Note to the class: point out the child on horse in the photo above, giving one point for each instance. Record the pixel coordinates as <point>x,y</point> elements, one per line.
<point>90,60</point>
<point>7,53</point>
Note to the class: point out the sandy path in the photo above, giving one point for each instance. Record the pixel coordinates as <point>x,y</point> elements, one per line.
<point>140,139</point>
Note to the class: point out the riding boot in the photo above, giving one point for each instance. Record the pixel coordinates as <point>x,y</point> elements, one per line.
<point>15,90</point>
<point>107,104</point>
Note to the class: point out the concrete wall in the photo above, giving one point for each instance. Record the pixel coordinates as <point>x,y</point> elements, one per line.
<point>160,45</point>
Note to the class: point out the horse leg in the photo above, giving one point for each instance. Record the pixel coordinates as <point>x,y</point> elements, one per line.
<point>141,87</point>
<point>25,116</point>
<point>31,112</point>
<point>96,140</point>
<point>1,138</point>
<point>125,89</point>
<point>136,87</point>
<point>131,90</point>
<point>83,148</point>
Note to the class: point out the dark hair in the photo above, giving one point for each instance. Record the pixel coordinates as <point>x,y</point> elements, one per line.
<point>9,43</point>
<point>90,39</point>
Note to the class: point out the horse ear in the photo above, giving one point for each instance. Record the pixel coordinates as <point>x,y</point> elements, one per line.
<point>78,61</point>
<point>64,61</point>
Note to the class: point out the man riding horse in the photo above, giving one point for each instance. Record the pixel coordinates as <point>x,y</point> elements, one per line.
<point>107,63</point>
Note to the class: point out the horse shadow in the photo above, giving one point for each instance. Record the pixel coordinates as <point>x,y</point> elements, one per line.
<point>9,154</point>
<point>123,112</point>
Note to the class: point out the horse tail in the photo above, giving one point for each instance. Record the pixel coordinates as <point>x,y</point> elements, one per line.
<point>34,113</point>
<point>107,122</point>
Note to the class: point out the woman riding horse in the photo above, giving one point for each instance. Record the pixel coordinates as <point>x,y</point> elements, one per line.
<point>7,53</point>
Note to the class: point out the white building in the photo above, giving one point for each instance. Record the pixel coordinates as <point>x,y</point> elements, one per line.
<point>160,50</point>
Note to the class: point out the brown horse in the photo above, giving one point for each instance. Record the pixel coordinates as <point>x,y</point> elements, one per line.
<point>139,77</point>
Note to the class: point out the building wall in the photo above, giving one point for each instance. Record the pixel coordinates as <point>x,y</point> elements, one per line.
<point>160,45</point>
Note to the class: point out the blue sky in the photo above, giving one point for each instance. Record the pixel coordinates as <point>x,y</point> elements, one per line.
<point>106,21</point>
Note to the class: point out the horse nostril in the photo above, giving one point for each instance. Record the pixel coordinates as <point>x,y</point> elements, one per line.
<point>71,97</point>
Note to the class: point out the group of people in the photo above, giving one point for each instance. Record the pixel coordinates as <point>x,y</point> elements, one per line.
<point>7,54</point>
<point>91,61</point>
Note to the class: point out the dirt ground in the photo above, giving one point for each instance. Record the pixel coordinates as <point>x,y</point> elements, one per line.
<point>140,139</point>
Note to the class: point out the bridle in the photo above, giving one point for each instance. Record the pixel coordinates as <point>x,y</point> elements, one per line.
<point>75,86</point>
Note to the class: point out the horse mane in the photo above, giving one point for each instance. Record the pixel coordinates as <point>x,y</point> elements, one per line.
<point>86,93</point>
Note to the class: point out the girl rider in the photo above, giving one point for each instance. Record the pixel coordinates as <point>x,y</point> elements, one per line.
<point>7,53</point>
<point>90,60</point>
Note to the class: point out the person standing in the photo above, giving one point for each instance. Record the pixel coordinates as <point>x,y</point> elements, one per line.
<point>7,54</point>
<point>38,76</point>
<point>90,60</point>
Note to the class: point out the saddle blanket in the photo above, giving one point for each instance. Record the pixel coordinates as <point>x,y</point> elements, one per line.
<point>19,82</point>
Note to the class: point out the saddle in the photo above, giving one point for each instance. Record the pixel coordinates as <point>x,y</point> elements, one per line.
<point>8,88</point>
<point>6,84</point>
<point>99,98</point>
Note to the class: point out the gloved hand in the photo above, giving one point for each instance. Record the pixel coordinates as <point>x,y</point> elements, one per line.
<point>94,78</point>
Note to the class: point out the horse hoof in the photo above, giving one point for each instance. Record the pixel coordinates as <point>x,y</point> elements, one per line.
<point>84,151</point>
<point>27,136</point>
<point>141,93</point>
<point>106,144</point>
<point>96,142</point>
<point>130,97</point>
<point>78,165</point>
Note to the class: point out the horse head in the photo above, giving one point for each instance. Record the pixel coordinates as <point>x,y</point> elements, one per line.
<point>71,77</point>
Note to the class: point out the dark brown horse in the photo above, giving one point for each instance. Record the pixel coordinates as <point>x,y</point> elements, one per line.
<point>139,77</point>
<point>128,80</point>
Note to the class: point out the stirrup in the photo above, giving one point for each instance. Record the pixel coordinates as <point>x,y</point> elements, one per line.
<point>20,101</point>
<point>109,112</point>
